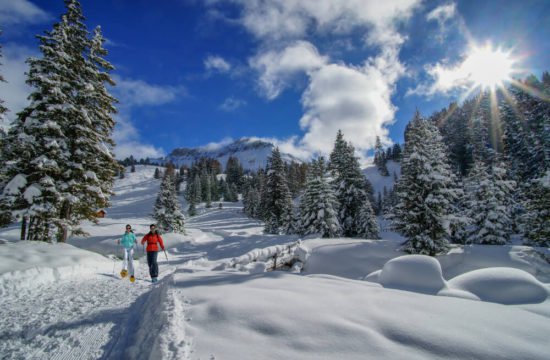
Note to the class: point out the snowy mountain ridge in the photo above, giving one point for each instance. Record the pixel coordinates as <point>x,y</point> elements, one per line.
<point>252,154</point>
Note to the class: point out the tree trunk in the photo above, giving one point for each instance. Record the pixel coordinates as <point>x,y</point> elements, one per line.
<point>24,228</point>
<point>65,230</point>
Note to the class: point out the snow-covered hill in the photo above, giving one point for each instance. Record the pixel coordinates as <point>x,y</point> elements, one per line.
<point>251,153</point>
<point>378,181</point>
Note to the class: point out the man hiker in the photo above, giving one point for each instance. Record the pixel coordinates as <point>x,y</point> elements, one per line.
<point>128,242</point>
<point>153,240</point>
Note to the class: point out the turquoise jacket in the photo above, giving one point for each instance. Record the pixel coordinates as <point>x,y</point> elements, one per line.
<point>128,240</point>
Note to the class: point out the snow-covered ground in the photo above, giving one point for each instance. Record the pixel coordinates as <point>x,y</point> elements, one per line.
<point>355,299</point>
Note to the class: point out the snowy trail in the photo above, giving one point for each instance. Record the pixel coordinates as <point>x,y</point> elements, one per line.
<point>70,319</point>
<point>97,315</point>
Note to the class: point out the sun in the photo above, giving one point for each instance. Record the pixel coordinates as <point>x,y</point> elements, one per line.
<point>488,68</point>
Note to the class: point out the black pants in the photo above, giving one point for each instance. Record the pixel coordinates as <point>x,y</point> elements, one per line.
<point>152,262</point>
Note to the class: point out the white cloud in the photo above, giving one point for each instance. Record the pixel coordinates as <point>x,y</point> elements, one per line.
<point>133,92</point>
<point>216,63</point>
<point>14,91</point>
<point>16,12</point>
<point>213,146</point>
<point>231,104</point>
<point>273,19</point>
<point>443,14</point>
<point>290,145</point>
<point>356,100</point>
<point>277,68</point>
<point>353,97</point>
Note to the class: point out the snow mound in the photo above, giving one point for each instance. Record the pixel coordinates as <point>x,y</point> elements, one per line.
<point>501,285</point>
<point>419,273</point>
<point>27,264</point>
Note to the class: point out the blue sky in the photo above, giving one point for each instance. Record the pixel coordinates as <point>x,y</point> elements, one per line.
<point>193,72</point>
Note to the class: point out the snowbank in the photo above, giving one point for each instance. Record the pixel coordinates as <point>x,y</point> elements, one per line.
<point>278,315</point>
<point>501,285</point>
<point>27,264</point>
<point>354,258</point>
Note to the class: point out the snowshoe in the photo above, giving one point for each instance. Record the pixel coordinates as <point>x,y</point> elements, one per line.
<point>132,278</point>
<point>154,280</point>
<point>123,273</point>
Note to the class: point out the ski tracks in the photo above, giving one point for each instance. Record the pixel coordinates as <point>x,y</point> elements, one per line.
<point>69,319</point>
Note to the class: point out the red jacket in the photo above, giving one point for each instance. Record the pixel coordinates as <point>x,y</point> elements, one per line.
<point>152,242</point>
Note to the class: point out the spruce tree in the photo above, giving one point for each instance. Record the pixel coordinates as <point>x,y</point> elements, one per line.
<point>156,175</point>
<point>318,207</point>
<point>367,225</point>
<point>351,187</point>
<point>380,158</point>
<point>3,109</point>
<point>537,218</point>
<point>278,203</point>
<point>488,205</point>
<point>234,171</point>
<point>426,191</point>
<point>34,192</point>
<point>167,211</point>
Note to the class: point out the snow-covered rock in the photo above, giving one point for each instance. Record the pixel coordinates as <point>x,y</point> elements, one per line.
<point>501,285</point>
<point>419,273</point>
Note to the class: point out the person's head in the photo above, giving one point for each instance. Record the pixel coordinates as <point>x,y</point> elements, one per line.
<point>152,227</point>
<point>128,228</point>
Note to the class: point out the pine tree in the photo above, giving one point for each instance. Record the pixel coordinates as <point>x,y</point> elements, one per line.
<point>37,160</point>
<point>167,211</point>
<point>489,205</point>
<point>426,190</point>
<point>351,187</point>
<point>192,210</point>
<point>278,205</point>
<point>234,171</point>
<point>537,230</point>
<point>318,207</point>
<point>396,152</point>
<point>157,173</point>
<point>93,164</point>
<point>380,158</point>
<point>252,203</point>
<point>3,109</point>
<point>367,225</point>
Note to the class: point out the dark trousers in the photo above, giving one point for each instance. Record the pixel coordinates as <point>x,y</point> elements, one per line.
<point>152,262</point>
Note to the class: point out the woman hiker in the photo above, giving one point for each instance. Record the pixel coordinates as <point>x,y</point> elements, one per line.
<point>153,240</point>
<point>128,242</point>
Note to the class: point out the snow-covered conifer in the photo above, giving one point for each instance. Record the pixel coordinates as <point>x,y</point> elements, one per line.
<point>380,158</point>
<point>351,187</point>
<point>537,218</point>
<point>278,203</point>
<point>167,211</point>
<point>318,206</point>
<point>426,190</point>
<point>367,225</point>
<point>488,205</point>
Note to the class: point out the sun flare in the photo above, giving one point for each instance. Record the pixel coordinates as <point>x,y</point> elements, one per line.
<point>487,67</point>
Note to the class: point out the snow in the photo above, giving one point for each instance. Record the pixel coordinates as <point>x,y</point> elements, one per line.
<point>15,185</point>
<point>502,285</point>
<point>218,299</point>
<point>378,181</point>
<point>417,273</point>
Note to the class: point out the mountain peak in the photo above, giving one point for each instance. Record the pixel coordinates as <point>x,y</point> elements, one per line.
<point>252,153</point>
